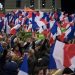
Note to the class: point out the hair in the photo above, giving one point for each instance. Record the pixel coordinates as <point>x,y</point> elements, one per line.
<point>72,74</point>
<point>67,71</point>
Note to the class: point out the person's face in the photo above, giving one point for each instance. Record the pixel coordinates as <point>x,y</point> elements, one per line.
<point>8,40</point>
<point>4,45</point>
<point>17,48</point>
<point>41,72</point>
<point>47,72</point>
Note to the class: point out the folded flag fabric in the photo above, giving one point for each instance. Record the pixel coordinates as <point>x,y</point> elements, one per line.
<point>62,55</point>
<point>52,64</point>
<point>71,34</point>
<point>69,55</point>
<point>14,29</point>
<point>24,67</point>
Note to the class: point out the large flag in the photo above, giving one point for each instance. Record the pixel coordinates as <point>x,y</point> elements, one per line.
<point>52,64</point>
<point>62,55</point>
<point>24,67</point>
<point>69,55</point>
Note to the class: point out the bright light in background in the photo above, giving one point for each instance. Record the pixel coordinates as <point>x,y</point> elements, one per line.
<point>1,6</point>
<point>43,3</point>
<point>32,3</point>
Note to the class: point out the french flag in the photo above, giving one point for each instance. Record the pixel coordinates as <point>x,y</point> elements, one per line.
<point>43,19</point>
<point>71,33</point>
<point>34,26</point>
<point>41,26</point>
<point>62,55</point>
<point>54,30</point>
<point>24,67</point>
<point>68,34</point>
<point>13,30</point>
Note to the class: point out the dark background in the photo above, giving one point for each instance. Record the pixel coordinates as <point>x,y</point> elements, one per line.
<point>68,6</point>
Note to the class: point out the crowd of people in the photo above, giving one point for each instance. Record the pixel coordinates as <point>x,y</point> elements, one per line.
<point>13,48</point>
<point>11,54</point>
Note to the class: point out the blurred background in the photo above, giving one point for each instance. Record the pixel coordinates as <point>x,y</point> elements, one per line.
<point>64,5</point>
<point>35,4</point>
